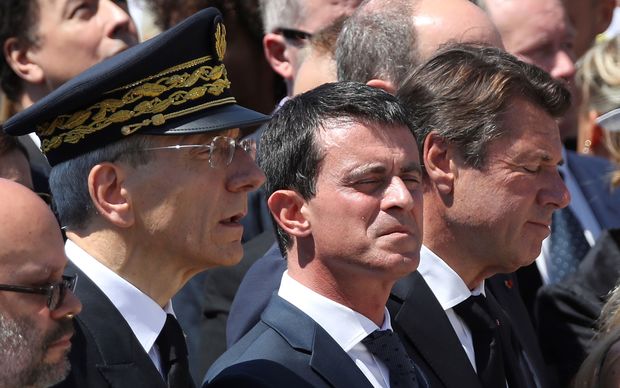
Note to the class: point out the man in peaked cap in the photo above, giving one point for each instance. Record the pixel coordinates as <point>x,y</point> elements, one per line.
<point>150,182</point>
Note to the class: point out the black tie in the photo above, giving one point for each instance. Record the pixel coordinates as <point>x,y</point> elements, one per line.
<point>567,245</point>
<point>386,346</point>
<point>487,340</point>
<point>173,353</point>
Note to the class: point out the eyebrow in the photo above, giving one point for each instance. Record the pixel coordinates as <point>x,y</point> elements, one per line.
<point>378,168</point>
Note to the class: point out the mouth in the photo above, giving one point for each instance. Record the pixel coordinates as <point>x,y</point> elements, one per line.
<point>234,220</point>
<point>542,225</point>
<point>62,342</point>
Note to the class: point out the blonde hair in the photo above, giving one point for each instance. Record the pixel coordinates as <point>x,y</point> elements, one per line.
<point>608,333</point>
<point>598,77</point>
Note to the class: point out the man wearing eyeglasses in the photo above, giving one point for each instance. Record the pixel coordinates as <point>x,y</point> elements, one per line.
<point>150,181</point>
<point>36,302</point>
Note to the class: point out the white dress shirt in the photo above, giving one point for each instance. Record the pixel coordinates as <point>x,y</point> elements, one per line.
<point>144,316</point>
<point>450,290</point>
<point>347,327</point>
<point>580,207</point>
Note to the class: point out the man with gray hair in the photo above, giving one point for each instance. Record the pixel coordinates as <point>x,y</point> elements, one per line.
<point>288,25</point>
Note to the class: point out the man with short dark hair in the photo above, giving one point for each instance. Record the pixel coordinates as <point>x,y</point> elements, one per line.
<point>37,304</point>
<point>150,180</point>
<point>343,180</point>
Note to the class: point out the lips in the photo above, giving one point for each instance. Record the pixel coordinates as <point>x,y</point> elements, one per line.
<point>233,220</point>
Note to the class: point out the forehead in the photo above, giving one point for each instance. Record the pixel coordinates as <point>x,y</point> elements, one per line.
<point>318,14</point>
<point>528,23</point>
<point>199,138</point>
<point>31,254</point>
<point>341,139</point>
<point>529,132</point>
<point>439,22</point>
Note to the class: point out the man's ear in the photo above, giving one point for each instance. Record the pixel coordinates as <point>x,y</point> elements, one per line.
<point>109,194</point>
<point>18,56</point>
<point>438,163</point>
<point>286,206</point>
<point>382,84</point>
<point>278,56</point>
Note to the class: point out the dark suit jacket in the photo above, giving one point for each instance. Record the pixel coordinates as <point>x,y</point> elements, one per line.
<point>288,337</point>
<point>446,357</point>
<point>432,343</point>
<point>253,294</point>
<point>104,351</point>
<point>567,311</point>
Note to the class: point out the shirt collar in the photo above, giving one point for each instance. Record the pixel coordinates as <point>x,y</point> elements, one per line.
<point>144,316</point>
<point>346,326</point>
<point>447,285</point>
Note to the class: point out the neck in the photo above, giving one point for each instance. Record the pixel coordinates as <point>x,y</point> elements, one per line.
<point>159,278</point>
<point>453,247</point>
<point>358,289</point>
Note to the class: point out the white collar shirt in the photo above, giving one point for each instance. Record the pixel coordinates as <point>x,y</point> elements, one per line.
<point>449,290</point>
<point>347,327</point>
<point>144,316</point>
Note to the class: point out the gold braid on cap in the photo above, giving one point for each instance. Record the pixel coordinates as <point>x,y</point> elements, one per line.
<point>150,97</point>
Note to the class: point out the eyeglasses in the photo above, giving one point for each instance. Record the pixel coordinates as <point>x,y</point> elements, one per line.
<point>293,35</point>
<point>221,150</point>
<point>55,292</point>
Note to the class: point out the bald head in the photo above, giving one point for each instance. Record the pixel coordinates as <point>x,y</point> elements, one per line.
<point>32,228</point>
<point>385,39</point>
<point>539,32</point>
<point>439,22</point>
<point>32,351</point>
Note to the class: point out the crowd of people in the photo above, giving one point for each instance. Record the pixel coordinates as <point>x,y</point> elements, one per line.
<point>309,193</point>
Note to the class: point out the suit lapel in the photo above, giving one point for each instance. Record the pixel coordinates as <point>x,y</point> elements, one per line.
<point>303,334</point>
<point>123,361</point>
<point>427,333</point>
<point>517,333</point>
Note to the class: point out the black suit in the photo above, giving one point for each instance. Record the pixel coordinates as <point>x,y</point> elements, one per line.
<point>104,350</point>
<point>432,343</point>
<point>292,340</point>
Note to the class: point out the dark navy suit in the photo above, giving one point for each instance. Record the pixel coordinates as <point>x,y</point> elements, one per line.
<point>293,340</point>
<point>427,334</point>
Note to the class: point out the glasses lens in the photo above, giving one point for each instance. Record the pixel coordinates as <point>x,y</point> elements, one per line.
<point>249,146</point>
<point>59,290</point>
<point>222,151</point>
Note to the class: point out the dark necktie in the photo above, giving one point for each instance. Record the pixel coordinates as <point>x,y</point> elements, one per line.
<point>486,338</point>
<point>173,354</point>
<point>567,245</point>
<point>386,346</point>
